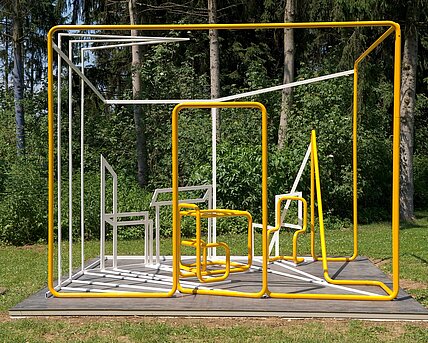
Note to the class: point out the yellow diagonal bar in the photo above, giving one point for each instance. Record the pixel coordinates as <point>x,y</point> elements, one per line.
<point>389,293</point>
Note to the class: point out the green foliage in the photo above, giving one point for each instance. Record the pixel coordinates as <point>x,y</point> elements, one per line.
<point>169,71</point>
<point>327,108</point>
<point>420,165</point>
<point>24,203</point>
<point>249,60</point>
<point>239,175</point>
<point>23,179</point>
<point>421,124</point>
<point>420,161</point>
<point>131,198</point>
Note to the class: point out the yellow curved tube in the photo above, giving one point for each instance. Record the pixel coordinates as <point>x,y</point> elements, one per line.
<point>294,257</point>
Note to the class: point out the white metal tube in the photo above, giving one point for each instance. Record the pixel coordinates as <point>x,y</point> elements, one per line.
<point>210,234</point>
<point>95,35</point>
<point>167,279</point>
<point>285,86</point>
<point>297,180</point>
<point>117,285</point>
<point>232,97</point>
<point>127,40</point>
<point>70,166</point>
<point>109,219</point>
<point>114,220</point>
<point>148,276</point>
<point>151,102</point>
<point>129,277</point>
<point>146,245</point>
<point>274,242</point>
<point>109,169</point>
<point>157,228</point>
<point>101,47</point>
<point>78,72</point>
<point>214,112</point>
<point>319,281</point>
<point>102,213</point>
<point>150,224</point>
<point>82,163</point>
<point>131,214</point>
<point>275,238</point>
<point>58,154</point>
<point>90,290</point>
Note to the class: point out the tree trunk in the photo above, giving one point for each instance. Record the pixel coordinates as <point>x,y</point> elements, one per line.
<point>287,93</point>
<point>32,76</point>
<point>139,120</point>
<point>18,78</point>
<point>407,109</point>
<point>6,56</point>
<point>214,61</point>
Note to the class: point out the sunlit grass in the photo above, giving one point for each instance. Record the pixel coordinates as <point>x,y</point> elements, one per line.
<point>208,330</point>
<point>23,271</point>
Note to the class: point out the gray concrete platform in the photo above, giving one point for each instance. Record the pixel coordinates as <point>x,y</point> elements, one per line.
<point>283,278</point>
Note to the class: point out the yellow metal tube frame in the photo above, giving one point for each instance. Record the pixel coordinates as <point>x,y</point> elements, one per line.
<point>296,234</point>
<point>199,269</point>
<point>390,293</point>
<point>221,213</point>
<point>354,160</point>
<point>211,213</point>
<point>395,182</point>
<point>322,234</point>
<point>392,27</point>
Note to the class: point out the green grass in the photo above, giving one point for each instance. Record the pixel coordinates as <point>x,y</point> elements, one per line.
<point>207,330</point>
<point>23,272</point>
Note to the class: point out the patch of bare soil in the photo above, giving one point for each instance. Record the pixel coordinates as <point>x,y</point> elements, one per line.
<point>226,322</point>
<point>412,285</point>
<point>391,329</point>
<point>4,317</point>
<point>379,262</point>
<point>404,283</point>
<point>34,247</point>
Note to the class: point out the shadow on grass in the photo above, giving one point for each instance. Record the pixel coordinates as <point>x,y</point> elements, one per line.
<point>421,214</point>
<point>421,221</point>
<point>418,258</point>
<point>410,225</point>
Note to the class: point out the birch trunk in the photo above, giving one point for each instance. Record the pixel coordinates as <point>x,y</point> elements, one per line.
<point>287,93</point>
<point>18,77</point>
<point>407,109</point>
<point>6,57</point>
<point>214,61</point>
<point>139,122</point>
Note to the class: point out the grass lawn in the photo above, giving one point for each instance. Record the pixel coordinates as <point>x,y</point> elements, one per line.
<point>23,271</point>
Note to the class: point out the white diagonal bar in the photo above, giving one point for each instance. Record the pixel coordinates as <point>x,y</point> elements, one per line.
<point>322,282</point>
<point>231,97</point>
<point>275,238</point>
<point>129,44</point>
<point>286,85</point>
<point>78,72</point>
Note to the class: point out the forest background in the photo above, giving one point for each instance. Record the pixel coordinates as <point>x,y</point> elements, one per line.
<point>137,140</point>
